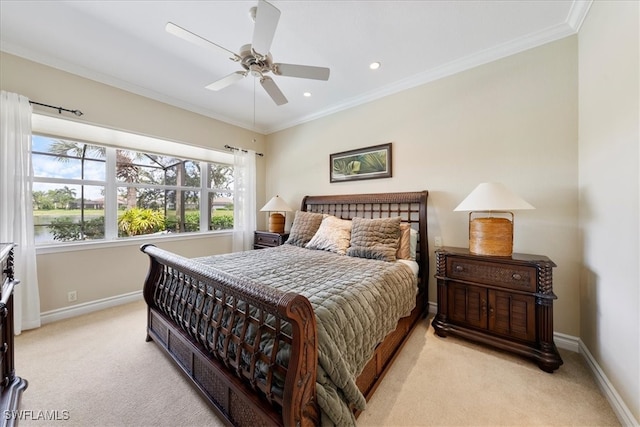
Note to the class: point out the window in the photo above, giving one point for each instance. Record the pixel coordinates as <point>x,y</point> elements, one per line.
<point>85,191</point>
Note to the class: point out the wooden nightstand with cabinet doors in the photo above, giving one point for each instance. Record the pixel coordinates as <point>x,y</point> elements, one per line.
<point>266,239</point>
<point>505,302</point>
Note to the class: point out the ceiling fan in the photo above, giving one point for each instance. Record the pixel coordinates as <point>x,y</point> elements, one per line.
<point>255,58</point>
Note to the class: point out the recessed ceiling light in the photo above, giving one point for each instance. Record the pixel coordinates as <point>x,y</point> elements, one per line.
<point>307,94</point>
<point>374,65</point>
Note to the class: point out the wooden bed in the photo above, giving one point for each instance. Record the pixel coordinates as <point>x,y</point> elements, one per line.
<point>176,289</point>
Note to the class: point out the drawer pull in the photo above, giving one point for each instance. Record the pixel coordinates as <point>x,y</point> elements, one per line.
<point>516,276</point>
<point>459,268</point>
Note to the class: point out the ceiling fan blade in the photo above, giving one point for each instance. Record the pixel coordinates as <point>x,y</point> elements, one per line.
<point>302,71</point>
<point>273,90</point>
<point>187,35</point>
<point>267,17</point>
<point>227,81</point>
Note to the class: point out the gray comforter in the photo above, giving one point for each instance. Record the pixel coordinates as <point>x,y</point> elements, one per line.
<point>357,302</point>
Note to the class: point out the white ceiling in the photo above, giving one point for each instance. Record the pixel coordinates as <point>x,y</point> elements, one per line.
<point>124,44</point>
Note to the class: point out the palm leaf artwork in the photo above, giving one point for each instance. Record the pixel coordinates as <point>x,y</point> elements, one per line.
<point>364,163</point>
<point>361,164</point>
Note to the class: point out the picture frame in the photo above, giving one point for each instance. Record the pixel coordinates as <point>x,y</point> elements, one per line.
<point>364,163</point>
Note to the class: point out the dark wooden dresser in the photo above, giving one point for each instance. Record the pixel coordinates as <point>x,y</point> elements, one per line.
<point>506,302</point>
<point>11,386</point>
<point>266,239</point>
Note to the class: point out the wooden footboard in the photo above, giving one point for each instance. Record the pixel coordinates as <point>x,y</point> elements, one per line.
<point>213,327</point>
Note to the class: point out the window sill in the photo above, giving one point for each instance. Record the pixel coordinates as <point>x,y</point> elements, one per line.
<point>131,241</point>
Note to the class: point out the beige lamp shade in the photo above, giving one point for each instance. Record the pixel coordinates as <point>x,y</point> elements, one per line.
<point>276,219</point>
<point>492,196</point>
<point>491,235</point>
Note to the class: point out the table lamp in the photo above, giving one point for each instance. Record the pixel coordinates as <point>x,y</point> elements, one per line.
<point>488,234</point>
<point>276,219</point>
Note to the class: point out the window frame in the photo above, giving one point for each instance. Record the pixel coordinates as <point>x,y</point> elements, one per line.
<point>112,140</point>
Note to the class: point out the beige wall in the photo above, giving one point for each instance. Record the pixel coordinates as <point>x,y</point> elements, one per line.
<point>516,121</point>
<point>512,121</point>
<point>97,273</point>
<point>103,272</point>
<point>609,193</point>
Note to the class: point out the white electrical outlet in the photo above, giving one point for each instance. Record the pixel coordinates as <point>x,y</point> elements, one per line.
<point>437,241</point>
<point>72,296</point>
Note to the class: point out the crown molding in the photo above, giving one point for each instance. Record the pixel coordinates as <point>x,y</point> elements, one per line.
<point>77,70</point>
<point>578,13</point>
<point>551,34</point>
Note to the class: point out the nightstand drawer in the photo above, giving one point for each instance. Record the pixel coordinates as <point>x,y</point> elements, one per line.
<point>493,273</point>
<point>266,239</point>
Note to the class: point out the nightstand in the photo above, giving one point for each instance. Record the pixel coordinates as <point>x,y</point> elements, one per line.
<point>265,239</point>
<point>505,302</point>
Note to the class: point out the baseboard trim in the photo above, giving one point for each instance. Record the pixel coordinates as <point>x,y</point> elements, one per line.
<point>575,344</point>
<point>433,307</point>
<point>567,342</point>
<point>88,307</point>
<point>621,410</point>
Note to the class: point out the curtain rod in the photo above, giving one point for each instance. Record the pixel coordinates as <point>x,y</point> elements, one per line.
<point>80,113</point>
<point>60,109</point>
<point>228,147</point>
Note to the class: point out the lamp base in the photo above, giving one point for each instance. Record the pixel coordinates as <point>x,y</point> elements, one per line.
<point>491,236</point>
<point>276,223</point>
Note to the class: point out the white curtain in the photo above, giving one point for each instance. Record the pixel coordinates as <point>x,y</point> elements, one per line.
<point>16,214</point>
<point>244,199</point>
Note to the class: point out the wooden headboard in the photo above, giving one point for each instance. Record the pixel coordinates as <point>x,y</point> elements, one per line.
<point>410,206</point>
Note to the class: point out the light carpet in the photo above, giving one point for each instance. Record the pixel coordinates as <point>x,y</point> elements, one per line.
<point>97,370</point>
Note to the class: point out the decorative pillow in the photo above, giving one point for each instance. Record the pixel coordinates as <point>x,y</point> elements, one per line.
<point>408,242</point>
<point>404,246</point>
<point>375,238</point>
<point>333,235</point>
<point>305,225</point>
<point>414,244</point>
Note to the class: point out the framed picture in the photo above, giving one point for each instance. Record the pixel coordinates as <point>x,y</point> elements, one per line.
<point>364,163</point>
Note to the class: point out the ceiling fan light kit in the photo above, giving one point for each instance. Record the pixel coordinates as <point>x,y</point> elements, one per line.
<point>255,58</point>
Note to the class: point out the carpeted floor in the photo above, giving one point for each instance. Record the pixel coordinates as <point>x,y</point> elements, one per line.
<point>97,370</point>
